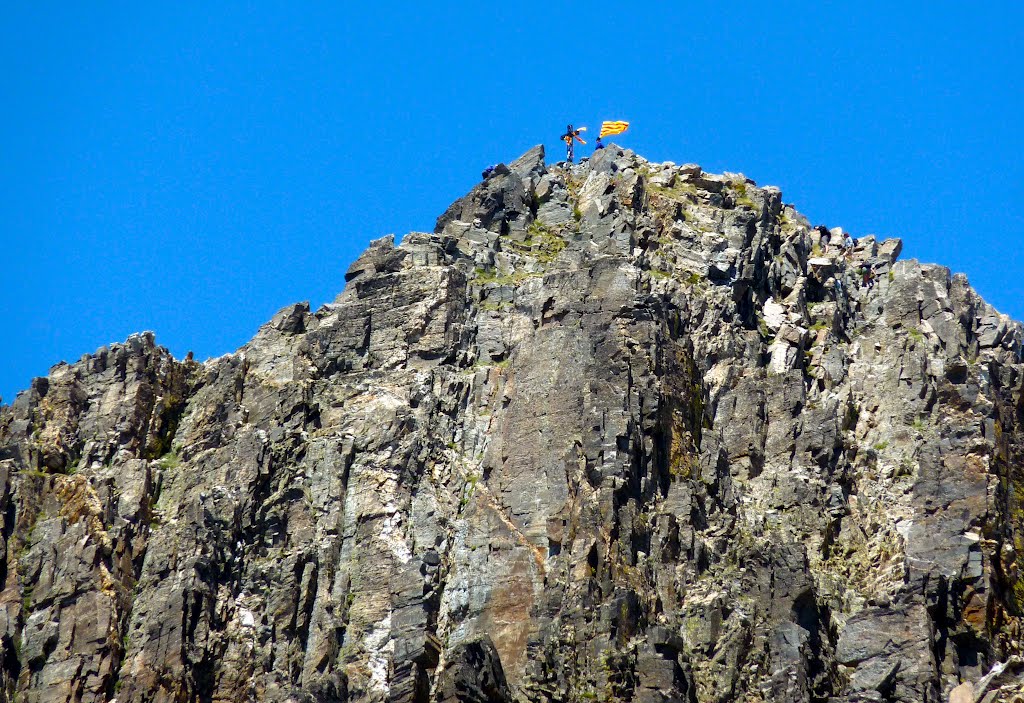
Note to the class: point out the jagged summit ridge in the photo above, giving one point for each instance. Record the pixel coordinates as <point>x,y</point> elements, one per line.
<point>617,430</point>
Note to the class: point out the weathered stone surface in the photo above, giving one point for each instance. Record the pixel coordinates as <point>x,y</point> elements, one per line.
<point>614,431</point>
<point>474,675</point>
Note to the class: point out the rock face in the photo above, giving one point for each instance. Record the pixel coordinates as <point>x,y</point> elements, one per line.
<point>614,431</point>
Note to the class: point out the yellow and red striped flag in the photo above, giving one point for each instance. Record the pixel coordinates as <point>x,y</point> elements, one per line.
<point>610,128</point>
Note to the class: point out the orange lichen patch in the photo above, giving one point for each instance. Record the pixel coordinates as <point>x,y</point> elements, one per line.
<point>507,615</point>
<point>79,502</point>
<point>975,611</point>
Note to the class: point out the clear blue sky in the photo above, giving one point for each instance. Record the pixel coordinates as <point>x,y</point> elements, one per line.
<point>194,168</point>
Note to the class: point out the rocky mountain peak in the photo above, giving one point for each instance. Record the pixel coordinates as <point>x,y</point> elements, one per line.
<point>619,430</point>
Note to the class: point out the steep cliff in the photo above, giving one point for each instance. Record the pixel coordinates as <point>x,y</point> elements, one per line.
<point>614,431</point>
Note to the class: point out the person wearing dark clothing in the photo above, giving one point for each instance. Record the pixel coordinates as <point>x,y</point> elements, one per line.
<point>598,145</point>
<point>825,237</point>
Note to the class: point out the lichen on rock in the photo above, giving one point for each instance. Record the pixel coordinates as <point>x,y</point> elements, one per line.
<point>618,430</point>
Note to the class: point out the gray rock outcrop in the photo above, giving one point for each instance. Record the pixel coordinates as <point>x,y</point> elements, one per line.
<point>613,431</point>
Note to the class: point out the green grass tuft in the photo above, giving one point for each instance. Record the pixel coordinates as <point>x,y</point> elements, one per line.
<point>171,460</point>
